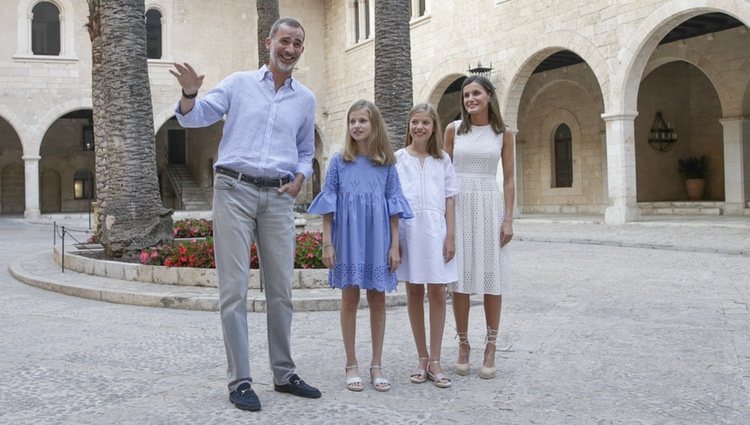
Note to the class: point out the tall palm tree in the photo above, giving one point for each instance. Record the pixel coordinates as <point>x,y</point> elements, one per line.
<point>393,85</point>
<point>130,212</point>
<point>94,27</point>
<point>268,13</point>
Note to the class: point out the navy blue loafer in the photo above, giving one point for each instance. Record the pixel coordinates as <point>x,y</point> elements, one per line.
<point>245,398</point>
<point>298,387</point>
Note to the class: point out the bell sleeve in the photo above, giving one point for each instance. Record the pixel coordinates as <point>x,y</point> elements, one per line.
<point>327,199</point>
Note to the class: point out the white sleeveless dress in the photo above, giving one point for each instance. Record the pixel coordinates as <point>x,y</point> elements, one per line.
<point>483,267</point>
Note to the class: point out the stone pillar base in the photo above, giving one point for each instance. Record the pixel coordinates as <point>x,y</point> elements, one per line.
<point>732,208</point>
<point>621,215</point>
<point>32,214</point>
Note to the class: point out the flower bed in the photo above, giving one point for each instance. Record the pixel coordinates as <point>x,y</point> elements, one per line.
<point>193,228</point>
<point>200,253</point>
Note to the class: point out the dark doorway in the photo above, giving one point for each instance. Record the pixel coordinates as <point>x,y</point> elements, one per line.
<point>176,149</point>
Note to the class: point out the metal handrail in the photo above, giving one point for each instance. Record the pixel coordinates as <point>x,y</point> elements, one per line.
<point>176,181</point>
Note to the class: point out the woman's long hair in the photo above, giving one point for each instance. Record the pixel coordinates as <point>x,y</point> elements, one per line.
<point>496,120</point>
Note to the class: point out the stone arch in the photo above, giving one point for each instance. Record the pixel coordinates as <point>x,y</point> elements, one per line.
<point>55,113</point>
<point>313,184</point>
<point>670,90</point>
<point>165,9</point>
<point>547,132</point>
<point>23,134</point>
<point>162,117</point>
<point>437,99</point>
<point>636,54</point>
<point>723,90</point>
<point>519,69</point>
<point>435,84</point>
<point>539,90</point>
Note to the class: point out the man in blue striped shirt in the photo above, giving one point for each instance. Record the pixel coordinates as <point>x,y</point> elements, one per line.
<point>265,154</point>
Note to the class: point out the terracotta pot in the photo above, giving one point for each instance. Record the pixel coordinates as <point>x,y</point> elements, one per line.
<point>695,188</point>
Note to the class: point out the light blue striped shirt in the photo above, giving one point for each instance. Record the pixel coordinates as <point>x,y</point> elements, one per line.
<point>267,133</point>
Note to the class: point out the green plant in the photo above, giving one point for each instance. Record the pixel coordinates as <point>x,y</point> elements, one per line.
<point>693,167</point>
<point>307,254</point>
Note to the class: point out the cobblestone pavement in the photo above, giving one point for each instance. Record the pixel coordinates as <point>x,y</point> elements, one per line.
<point>604,330</point>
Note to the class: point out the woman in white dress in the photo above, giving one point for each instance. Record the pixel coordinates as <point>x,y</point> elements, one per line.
<point>484,217</point>
<point>428,240</point>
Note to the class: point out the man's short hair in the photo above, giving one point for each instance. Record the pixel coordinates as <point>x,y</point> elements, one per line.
<point>288,21</point>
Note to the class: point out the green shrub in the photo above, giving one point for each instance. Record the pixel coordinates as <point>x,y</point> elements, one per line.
<point>693,167</point>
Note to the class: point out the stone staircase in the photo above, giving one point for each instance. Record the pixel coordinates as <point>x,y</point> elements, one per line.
<point>192,196</point>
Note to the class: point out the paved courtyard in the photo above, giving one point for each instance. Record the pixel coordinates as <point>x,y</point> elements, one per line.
<point>603,330</point>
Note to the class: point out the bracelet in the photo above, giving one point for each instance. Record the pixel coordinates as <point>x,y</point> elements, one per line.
<point>326,245</point>
<point>189,96</point>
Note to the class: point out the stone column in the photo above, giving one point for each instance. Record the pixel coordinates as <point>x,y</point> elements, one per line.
<point>622,206</point>
<point>736,163</point>
<point>518,161</point>
<point>31,183</point>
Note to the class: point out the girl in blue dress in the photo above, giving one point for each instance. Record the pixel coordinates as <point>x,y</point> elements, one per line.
<point>361,204</point>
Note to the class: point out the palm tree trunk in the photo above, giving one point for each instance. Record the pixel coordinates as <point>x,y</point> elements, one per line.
<point>393,80</point>
<point>132,216</point>
<point>94,26</point>
<point>268,13</point>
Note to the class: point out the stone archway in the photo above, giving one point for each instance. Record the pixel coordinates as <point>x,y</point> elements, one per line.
<point>184,163</point>
<point>446,97</point>
<point>689,102</point>
<point>520,69</point>
<point>67,146</point>
<point>12,190</point>
<point>561,88</point>
<point>626,80</point>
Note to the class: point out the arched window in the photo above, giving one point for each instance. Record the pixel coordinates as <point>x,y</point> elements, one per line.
<point>563,157</point>
<point>83,184</point>
<point>45,29</point>
<point>153,34</point>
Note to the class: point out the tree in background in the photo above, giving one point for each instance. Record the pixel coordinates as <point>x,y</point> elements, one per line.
<point>393,85</point>
<point>268,13</point>
<point>130,215</point>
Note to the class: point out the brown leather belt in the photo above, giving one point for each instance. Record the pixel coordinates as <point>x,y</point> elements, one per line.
<point>256,181</point>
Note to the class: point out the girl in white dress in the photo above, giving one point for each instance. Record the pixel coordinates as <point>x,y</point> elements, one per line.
<point>484,217</point>
<point>428,240</point>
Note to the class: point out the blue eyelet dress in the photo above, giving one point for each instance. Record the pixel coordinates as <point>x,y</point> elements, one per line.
<point>362,197</point>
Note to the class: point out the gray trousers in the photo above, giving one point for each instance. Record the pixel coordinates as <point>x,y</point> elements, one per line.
<point>244,213</point>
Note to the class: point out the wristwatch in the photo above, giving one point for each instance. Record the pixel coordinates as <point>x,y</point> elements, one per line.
<point>189,96</point>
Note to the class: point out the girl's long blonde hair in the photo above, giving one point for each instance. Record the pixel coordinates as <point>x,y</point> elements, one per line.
<point>379,147</point>
<point>435,143</point>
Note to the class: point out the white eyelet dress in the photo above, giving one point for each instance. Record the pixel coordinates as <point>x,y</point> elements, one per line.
<point>483,267</point>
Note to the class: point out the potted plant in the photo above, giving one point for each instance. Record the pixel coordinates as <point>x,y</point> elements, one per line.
<point>694,169</point>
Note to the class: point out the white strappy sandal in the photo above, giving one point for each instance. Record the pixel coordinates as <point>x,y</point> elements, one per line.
<point>380,384</point>
<point>354,383</point>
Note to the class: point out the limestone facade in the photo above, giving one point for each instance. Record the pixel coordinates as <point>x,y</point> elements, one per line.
<point>701,85</point>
